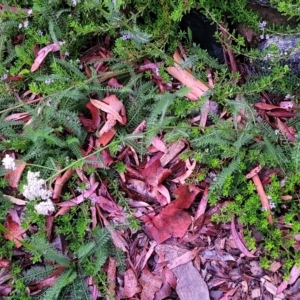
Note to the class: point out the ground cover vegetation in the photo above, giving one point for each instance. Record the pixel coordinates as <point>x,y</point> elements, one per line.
<point>117,130</point>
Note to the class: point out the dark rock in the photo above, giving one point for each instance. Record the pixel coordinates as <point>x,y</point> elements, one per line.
<point>202,33</point>
<point>260,2</point>
<point>287,47</point>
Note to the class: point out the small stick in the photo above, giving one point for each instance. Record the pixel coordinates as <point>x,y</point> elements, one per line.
<point>261,192</point>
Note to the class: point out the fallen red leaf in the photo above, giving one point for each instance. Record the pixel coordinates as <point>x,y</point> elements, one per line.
<point>186,196</point>
<point>154,173</point>
<point>170,222</point>
<point>285,130</point>
<point>15,231</point>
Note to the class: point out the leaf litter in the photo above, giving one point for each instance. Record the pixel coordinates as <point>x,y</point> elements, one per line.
<point>179,251</point>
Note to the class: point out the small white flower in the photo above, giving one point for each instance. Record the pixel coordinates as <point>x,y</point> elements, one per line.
<point>269,197</point>
<point>44,207</point>
<point>272,205</point>
<point>261,36</point>
<point>74,2</point>
<point>8,162</point>
<point>206,150</point>
<point>156,72</point>
<point>48,81</point>
<point>35,187</point>
<point>20,26</point>
<point>67,53</point>
<point>25,23</point>
<point>276,132</point>
<point>40,32</point>
<point>29,12</point>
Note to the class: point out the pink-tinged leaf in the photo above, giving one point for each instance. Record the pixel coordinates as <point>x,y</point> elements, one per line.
<point>4,263</point>
<point>113,107</point>
<point>106,137</point>
<point>16,200</point>
<point>165,192</point>
<point>91,124</point>
<point>198,88</point>
<point>190,167</point>
<point>24,116</point>
<point>281,113</point>
<point>238,241</point>
<point>294,274</point>
<point>62,211</point>
<point>183,259</point>
<point>113,82</point>
<point>150,283</point>
<point>15,231</point>
<point>59,184</point>
<point>204,114</point>
<point>140,128</point>
<point>186,196</point>
<point>285,130</point>
<point>42,55</point>
<point>265,106</point>
<point>154,173</point>
<point>111,274</point>
<point>202,205</point>
<point>13,177</point>
<point>131,284</point>
<point>170,222</point>
<point>159,144</point>
<point>79,199</point>
<point>229,294</point>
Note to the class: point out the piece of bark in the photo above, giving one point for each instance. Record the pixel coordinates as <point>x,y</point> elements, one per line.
<point>190,284</point>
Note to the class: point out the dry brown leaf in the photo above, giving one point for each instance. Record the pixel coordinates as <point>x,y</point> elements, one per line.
<point>131,284</point>
<point>150,283</point>
<point>183,259</point>
<point>111,275</point>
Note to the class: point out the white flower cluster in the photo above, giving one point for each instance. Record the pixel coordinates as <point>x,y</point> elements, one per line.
<point>35,188</point>
<point>44,207</point>
<point>8,162</point>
